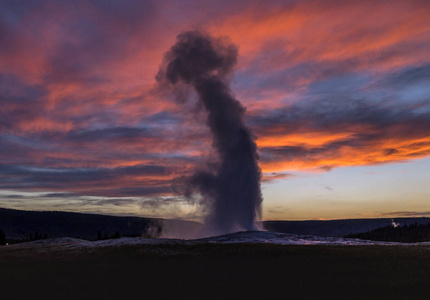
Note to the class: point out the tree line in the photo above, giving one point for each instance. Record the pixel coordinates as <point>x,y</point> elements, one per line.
<point>2,238</point>
<point>412,233</point>
<point>28,238</point>
<point>100,236</point>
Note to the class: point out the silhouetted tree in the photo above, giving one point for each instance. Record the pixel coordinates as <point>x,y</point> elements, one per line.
<point>2,238</point>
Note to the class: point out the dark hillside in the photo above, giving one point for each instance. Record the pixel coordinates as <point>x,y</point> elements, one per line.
<point>337,228</point>
<point>413,233</point>
<point>26,225</point>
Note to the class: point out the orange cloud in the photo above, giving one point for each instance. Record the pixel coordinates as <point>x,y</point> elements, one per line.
<point>310,156</point>
<point>313,31</point>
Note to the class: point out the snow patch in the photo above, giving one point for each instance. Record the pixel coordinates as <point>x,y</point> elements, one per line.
<point>278,238</point>
<point>251,237</point>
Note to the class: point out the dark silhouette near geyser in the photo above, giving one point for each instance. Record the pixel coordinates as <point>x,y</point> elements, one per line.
<point>231,186</point>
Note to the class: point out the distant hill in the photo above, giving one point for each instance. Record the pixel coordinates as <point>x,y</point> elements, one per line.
<point>26,225</point>
<point>22,225</point>
<point>337,228</point>
<point>413,233</point>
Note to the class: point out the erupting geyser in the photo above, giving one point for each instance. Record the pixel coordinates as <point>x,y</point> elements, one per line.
<point>232,186</point>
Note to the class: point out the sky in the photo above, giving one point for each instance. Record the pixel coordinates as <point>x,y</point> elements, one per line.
<point>336,92</point>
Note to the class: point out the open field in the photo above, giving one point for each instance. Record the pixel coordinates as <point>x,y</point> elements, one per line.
<point>225,271</point>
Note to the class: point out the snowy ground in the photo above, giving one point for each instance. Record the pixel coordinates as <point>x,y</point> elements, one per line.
<point>256,237</point>
<point>285,239</point>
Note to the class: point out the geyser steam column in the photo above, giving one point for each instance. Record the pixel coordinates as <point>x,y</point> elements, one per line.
<point>232,187</point>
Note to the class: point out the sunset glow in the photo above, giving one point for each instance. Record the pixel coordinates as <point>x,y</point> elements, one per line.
<point>333,90</point>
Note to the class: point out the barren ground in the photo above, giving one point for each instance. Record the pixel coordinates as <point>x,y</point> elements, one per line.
<point>211,271</point>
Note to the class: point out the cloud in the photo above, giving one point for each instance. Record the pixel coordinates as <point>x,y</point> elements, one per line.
<point>136,180</point>
<point>115,134</point>
<point>270,177</point>
<point>326,85</point>
<point>405,214</point>
<point>418,74</point>
<point>331,133</point>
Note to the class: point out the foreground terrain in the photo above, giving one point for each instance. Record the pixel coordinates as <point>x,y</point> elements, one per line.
<point>162,269</point>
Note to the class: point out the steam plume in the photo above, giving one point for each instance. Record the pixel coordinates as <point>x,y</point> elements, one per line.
<point>232,186</point>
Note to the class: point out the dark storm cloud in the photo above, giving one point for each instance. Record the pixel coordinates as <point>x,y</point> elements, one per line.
<point>76,174</point>
<point>419,74</point>
<point>107,134</point>
<point>110,134</point>
<point>19,102</point>
<point>334,114</point>
<point>87,180</point>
